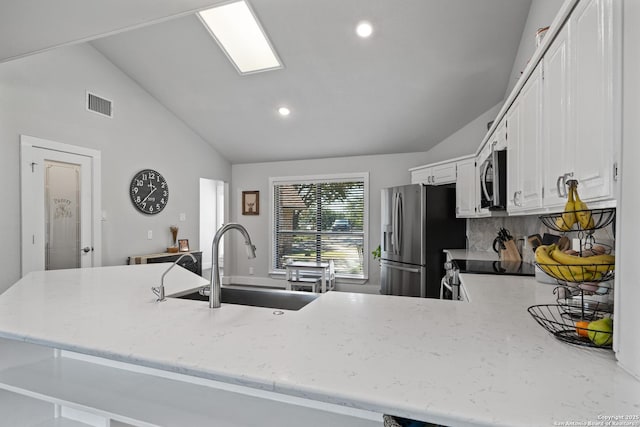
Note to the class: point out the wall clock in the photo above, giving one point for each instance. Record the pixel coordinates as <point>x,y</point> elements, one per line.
<point>149,192</point>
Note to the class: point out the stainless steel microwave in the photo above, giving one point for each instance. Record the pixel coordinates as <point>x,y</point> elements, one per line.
<point>493,181</point>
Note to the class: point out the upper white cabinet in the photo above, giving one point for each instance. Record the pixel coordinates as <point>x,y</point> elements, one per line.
<point>436,174</point>
<point>579,106</point>
<point>523,135</point>
<point>466,188</point>
<point>592,103</point>
<point>556,148</point>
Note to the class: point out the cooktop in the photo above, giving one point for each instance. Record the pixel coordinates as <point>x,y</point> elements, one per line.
<point>514,268</point>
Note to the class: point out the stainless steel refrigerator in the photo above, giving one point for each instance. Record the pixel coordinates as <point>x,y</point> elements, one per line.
<point>418,222</point>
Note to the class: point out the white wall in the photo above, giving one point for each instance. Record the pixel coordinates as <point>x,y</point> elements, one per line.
<point>541,14</point>
<point>384,171</point>
<point>43,96</point>
<point>627,338</point>
<point>466,140</point>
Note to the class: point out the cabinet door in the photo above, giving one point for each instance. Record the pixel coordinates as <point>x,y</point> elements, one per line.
<point>466,189</point>
<point>421,176</point>
<point>556,148</point>
<point>593,109</point>
<point>513,156</point>
<point>529,153</point>
<point>443,174</point>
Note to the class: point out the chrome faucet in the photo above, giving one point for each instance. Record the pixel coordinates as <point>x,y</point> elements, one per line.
<point>159,290</point>
<point>214,290</point>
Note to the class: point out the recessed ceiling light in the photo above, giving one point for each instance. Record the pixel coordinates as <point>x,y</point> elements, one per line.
<point>364,29</point>
<point>239,34</point>
<point>284,111</point>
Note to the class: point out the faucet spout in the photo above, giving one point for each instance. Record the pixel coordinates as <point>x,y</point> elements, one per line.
<point>214,290</point>
<point>159,290</point>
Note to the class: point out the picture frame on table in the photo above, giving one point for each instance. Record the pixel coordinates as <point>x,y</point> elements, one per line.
<point>250,203</point>
<point>183,245</point>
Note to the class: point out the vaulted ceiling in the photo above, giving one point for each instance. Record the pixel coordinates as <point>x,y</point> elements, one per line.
<point>430,67</point>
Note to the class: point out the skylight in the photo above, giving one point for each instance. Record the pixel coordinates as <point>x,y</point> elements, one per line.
<point>241,37</point>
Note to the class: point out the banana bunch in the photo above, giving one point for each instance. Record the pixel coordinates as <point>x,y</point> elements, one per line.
<point>583,214</point>
<point>571,268</point>
<point>568,218</point>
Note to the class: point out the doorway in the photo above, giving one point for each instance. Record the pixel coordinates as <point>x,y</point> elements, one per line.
<point>60,192</point>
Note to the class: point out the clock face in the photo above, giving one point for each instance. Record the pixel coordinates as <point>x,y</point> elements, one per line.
<point>149,191</point>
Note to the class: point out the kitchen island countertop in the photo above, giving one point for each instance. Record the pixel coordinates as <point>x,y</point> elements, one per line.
<point>486,362</point>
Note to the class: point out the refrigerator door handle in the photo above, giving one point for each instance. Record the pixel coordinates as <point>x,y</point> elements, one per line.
<point>394,220</point>
<point>398,267</point>
<point>400,224</point>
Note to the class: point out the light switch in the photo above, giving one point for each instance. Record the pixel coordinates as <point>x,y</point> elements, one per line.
<point>183,217</point>
<point>150,234</point>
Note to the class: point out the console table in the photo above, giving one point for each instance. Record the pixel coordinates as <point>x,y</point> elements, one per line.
<point>185,262</point>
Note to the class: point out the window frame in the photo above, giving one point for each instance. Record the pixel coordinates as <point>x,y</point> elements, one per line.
<point>318,179</point>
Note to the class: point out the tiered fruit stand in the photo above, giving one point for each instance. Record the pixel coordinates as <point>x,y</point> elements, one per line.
<point>584,290</point>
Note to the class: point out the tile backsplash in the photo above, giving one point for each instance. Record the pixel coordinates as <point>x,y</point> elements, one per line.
<point>482,231</point>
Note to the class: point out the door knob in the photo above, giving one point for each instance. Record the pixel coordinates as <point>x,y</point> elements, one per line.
<point>87,249</point>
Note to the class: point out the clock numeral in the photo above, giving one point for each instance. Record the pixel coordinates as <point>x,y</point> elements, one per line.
<point>164,185</point>
<point>144,177</point>
<point>157,206</point>
<point>165,193</point>
<point>138,199</point>
<point>139,182</point>
<point>144,205</point>
<point>151,208</point>
<point>162,201</point>
<point>135,190</point>
<point>152,175</point>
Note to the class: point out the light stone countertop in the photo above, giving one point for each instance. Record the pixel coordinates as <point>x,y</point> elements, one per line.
<point>485,363</point>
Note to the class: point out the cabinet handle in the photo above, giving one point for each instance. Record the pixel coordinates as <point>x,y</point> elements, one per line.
<point>519,195</point>
<point>433,179</point>
<point>560,189</point>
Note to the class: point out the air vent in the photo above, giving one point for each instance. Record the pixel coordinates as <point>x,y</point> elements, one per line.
<point>99,105</point>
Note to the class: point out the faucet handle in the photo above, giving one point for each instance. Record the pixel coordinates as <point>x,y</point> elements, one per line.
<point>159,292</point>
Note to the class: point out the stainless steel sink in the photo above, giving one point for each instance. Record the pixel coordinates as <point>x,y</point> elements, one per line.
<point>268,298</point>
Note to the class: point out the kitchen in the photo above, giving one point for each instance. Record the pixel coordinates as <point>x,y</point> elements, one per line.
<point>119,223</point>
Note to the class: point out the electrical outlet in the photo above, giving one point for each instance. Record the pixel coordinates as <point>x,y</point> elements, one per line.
<point>183,217</point>
<point>149,234</point>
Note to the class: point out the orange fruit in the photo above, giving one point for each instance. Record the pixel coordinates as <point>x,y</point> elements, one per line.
<point>581,328</point>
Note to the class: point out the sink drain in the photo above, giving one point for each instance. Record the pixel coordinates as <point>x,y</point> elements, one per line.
<point>278,312</point>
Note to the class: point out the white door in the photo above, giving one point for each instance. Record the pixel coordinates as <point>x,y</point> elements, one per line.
<point>593,107</point>
<point>529,171</point>
<point>58,214</point>
<point>557,150</point>
<point>466,188</point>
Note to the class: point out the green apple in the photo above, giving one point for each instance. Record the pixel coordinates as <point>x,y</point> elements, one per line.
<point>601,331</point>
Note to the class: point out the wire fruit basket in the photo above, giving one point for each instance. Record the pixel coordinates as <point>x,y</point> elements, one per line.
<point>597,218</point>
<point>579,272</point>
<point>563,324</point>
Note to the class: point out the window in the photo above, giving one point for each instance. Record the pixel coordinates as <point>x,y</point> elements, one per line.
<point>321,219</point>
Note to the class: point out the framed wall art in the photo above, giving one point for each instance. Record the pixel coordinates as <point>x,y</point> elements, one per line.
<point>250,203</point>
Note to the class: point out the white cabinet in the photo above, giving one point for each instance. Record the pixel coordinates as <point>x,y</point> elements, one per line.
<point>579,108</point>
<point>436,174</point>
<point>524,127</point>
<point>556,150</point>
<point>592,105</point>
<point>466,188</point>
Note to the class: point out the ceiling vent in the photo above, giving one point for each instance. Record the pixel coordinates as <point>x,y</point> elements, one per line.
<point>99,105</point>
